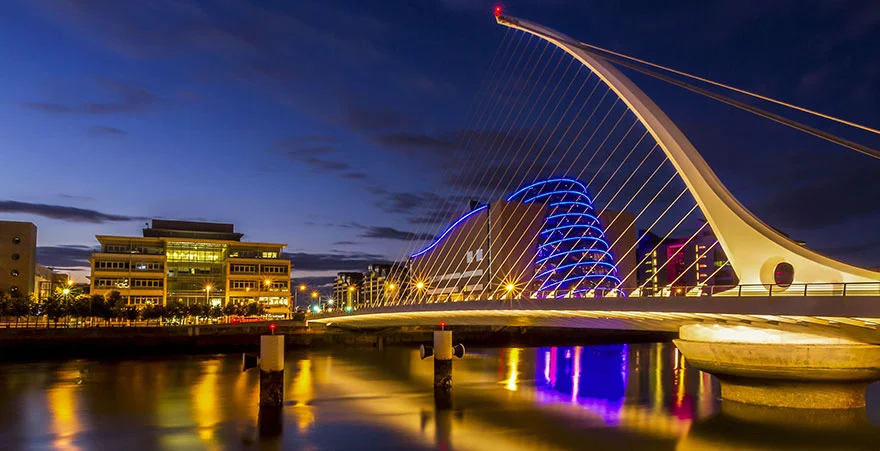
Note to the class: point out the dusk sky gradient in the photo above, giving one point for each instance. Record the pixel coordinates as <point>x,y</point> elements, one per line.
<point>319,123</point>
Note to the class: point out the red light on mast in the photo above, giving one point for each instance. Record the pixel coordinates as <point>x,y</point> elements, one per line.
<point>272,327</point>
<point>497,11</point>
<point>442,325</point>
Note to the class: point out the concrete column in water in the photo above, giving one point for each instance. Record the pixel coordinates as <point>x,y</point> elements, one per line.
<point>782,367</point>
<point>443,368</point>
<point>271,370</point>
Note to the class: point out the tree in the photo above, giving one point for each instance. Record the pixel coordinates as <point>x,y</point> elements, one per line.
<point>255,309</point>
<point>215,312</point>
<point>197,310</point>
<point>175,309</point>
<point>18,306</point>
<point>98,307</point>
<point>130,313</point>
<point>115,304</point>
<point>80,307</point>
<point>152,312</point>
<point>4,305</point>
<point>54,309</point>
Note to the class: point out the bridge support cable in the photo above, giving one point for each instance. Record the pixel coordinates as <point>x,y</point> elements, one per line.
<point>469,129</point>
<point>441,267</point>
<point>757,111</point>
<point>485,149</point>
<point>560,160</point>
<point>556,168</point>
<point>491,186</point>
<point>605,54</point>
<point>472,136</point>
<point>473,114</point>
<point>659,242</point>
<point>623,256</point>
<point>671,257</point>
<point>753,248</point>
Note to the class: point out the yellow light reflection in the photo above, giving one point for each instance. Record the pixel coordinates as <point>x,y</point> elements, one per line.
<point>512,368</point>
<point>656,362</point>
<point>680,384</point>
<point>303,392</point>
<point>205,407</point>
<point>65,423</point>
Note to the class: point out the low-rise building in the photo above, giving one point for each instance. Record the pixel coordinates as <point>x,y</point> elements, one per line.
<point>191,262</point>
<point>18,258</point>
<point>347,289</point>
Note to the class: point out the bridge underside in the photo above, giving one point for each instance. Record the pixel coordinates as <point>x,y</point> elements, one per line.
<point>853,318</point>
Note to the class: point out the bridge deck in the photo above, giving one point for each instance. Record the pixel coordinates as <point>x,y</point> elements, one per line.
<point>855,317</point>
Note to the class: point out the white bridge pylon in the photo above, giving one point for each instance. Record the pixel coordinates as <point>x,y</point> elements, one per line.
<point>755,250</point>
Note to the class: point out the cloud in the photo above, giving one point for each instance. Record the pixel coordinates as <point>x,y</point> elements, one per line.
<point>355,175</point>
<point>376,118</point>
<point>63,213</point>
<point>71,196</point>
<point>413,141</point>
<point>64,256</point>
<point>121,99</point>
<point>101,130</point>
<point>352,261</point>
<point>345,243</point>
<point>390,233</point>
<point>309,150</point>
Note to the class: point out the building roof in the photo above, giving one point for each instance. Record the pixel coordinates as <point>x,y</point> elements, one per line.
<point>162,228</point>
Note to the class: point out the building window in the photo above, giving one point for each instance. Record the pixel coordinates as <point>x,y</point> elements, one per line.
<point>242,284</point>
<point>111,265</point>
<point>243,269</point>
<point>14,273</point>
<point>274,269</point>
<point>16,240</point>
<point>148,266</point>
<point>147,283</point>
<point>270,254</point>
<point>15,256</point>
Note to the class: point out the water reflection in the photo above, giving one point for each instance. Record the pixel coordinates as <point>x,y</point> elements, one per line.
<point>636,396</point>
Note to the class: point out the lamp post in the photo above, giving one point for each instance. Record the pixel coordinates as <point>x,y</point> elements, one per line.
<point>420,288</point>
<point>208,289</point>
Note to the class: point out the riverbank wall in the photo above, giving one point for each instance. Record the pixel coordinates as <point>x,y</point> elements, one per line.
<point>132,341</point>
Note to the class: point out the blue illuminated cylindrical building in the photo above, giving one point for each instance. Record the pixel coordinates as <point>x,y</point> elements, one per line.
<point>573,255</point>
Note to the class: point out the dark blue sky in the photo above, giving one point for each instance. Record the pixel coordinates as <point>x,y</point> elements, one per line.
<point>317,123</point>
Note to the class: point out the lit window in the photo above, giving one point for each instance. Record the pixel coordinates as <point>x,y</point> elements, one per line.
<point>16,240</point>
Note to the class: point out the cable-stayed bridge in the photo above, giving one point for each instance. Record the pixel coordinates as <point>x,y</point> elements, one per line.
<point>578,183</point>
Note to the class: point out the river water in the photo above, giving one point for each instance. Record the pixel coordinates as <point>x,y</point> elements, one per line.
<point>610,397</point>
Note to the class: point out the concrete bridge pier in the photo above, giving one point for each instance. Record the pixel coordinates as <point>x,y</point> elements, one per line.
<point>782,367</point>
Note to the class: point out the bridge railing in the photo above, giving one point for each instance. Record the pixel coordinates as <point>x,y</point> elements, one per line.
<point>795,289</point>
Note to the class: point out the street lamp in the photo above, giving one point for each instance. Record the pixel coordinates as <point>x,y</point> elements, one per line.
<point>208,289</point>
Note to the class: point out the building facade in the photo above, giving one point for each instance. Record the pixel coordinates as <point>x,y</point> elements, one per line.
<point>680,266</point>
<point>543,241</point>
<point>18,258</point>
<point>347,288</point>
<point>191,262</point>
<point>48,282</point>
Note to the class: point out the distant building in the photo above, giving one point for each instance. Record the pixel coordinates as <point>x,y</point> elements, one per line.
<point>48,282</point>
<point>383,283</point>
<point>191,262</point>
<point>347,289</point>
<point>674,266</point>
<point>18,257</point>
<point>543,241</point>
